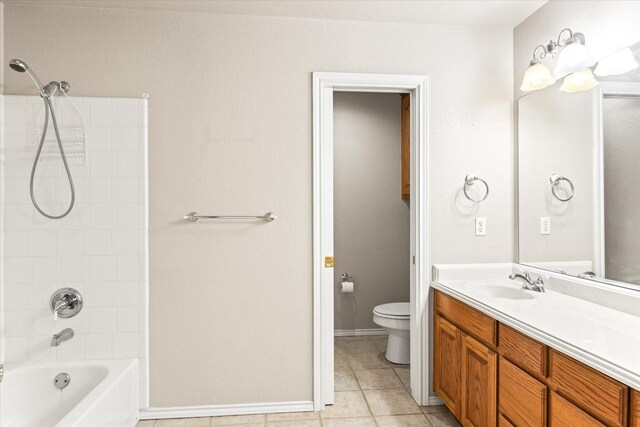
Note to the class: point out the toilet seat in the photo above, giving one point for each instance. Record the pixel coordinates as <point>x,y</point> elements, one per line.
<point>394,310</point>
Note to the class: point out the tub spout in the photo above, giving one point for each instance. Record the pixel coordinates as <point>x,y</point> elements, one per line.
<point>64,335</point>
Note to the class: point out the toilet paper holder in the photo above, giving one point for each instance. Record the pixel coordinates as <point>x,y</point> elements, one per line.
<point>346,277</point>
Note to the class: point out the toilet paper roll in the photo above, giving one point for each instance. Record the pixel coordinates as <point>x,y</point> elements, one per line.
<point>346,287</point>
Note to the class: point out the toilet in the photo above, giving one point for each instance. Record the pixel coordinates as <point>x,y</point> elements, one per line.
<point>394,317</point>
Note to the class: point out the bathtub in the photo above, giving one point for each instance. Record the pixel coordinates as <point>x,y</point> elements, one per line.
<point>101,393</point>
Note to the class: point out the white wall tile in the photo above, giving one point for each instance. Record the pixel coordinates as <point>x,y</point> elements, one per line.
<point>16,296</point>
<point>127,267</point>
<point>74,268</point>
<point>102,320</point>
<point>127,293</point>
<point>18,323</point>
<point>98,294</point>
<point>72,349</point>
<point>98,190</point>
<point>124,190</point>
<point>128,165</point>
<point>128,216</point>
<point>16,349</point>
<point>98,138</point>
<point>18,216</point>
<point>95,249</point>
<point>124,242</point>
<point>40,349</point>
<point>70,242</point>
<point>40,294</point>
<point>102,216</point>
<point>97,346</point>
<point>41,243</point>
<point>103,268</point>
<point>127,115</point>
<point>17,270</point>
<point>125,345</point>
<point>104,115</point>
<point>46,269</point>
<point>124,139</point>
<point>15,243</point>
<point>97,242</point>
<point>127,319</point>
<point>101,164</point>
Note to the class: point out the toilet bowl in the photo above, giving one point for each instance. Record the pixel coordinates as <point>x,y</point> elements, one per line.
<point>394,317</point>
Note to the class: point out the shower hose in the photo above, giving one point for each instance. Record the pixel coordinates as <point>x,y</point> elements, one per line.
<point>48,109</point>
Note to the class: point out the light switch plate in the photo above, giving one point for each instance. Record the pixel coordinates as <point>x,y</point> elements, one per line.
<point>481,226</point>
<point>545,225</point>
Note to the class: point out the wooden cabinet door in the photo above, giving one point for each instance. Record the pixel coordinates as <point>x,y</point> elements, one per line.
<point>521,398</point>
<point>563,413</point>
<point>446,376</point>
<point>634,421</point>
<point>405,145</point>
<point>478,406</point>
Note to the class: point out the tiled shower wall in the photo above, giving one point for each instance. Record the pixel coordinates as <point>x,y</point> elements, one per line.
<point>100,248</point>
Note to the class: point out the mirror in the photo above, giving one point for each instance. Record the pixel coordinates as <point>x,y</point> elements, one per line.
<point>578,159</point>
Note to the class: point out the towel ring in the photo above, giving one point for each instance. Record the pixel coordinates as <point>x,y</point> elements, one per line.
<point>556,179</point>
<point>469,180</point>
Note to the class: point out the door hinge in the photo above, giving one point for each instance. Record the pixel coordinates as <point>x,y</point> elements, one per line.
<point>414,260</point>
<point>328,261</point>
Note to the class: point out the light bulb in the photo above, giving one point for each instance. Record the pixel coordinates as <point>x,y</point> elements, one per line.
<point>579,81</point>
<point>617,63</point>
<point>573,57</point>
<point>537,77</point>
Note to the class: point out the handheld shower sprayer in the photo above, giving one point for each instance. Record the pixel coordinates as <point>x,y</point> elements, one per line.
<point>46,92</point>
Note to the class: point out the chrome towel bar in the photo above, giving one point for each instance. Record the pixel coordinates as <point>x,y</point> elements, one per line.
<point>193,217</point>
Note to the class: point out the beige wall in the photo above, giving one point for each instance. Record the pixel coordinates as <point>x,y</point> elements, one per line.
<point>371,221</point>
<point>608,26</point>
<point>230,133</point>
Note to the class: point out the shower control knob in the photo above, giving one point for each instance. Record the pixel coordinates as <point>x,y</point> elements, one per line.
<point>66,302</point>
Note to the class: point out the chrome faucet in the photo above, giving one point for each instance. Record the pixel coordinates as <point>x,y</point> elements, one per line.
<point>527,283</point>
<point>64,335</point>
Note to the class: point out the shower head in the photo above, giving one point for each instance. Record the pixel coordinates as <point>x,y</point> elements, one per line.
<point>22,67</point>
<point>18,65</point>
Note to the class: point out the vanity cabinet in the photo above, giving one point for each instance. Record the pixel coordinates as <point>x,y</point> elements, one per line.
<point>489,374</point>
<point>634,419</point>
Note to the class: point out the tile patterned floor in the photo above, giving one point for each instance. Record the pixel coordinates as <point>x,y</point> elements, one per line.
<point>369,392</point>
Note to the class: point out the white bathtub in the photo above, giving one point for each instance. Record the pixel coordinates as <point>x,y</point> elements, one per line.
<point>101,393</point>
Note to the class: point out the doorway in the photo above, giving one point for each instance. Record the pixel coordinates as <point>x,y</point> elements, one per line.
<point>324,86</point>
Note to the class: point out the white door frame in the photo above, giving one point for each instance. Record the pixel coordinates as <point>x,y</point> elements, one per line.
<point>324,84</point>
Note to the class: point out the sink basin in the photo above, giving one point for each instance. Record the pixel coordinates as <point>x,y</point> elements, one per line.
<point>506,293</point>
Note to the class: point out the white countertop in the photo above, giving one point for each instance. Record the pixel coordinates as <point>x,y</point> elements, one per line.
<point>605,338</point>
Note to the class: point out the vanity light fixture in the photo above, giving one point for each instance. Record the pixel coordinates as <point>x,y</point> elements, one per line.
<point>579,81</point>
<point>573,57</point>
<point>537,75</point>
<point>620,62</point>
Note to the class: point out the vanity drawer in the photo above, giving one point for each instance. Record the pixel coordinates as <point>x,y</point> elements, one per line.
<point>480,326</point>
<point>603,397</point>
<point>521,398</point>
<point>563,413</point>
<point>526,353</point>
<point>634,420</point>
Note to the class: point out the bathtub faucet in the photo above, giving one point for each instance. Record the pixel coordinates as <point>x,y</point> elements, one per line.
<point>64,335</point>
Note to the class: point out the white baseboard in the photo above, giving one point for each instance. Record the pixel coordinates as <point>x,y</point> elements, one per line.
<point>434,401</point>
<point>358,332</point>
<point>220,410</point>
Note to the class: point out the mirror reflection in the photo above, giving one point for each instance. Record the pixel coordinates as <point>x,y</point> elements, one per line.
<point>578,157</point>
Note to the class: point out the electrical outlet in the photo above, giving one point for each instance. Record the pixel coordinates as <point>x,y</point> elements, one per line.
<point>481,226</point>
<point>545,225</point>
